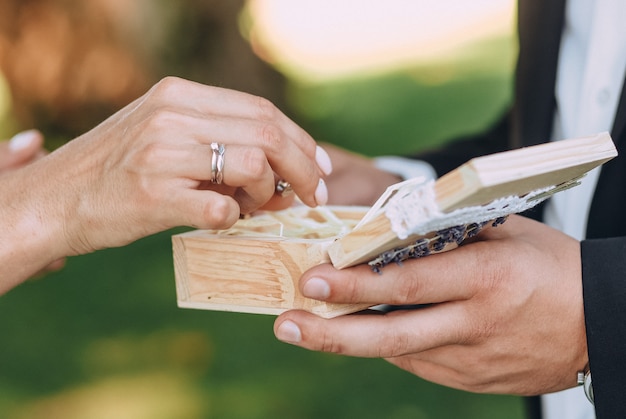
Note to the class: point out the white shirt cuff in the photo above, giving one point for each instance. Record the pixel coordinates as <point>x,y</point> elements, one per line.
<point>405,168</point>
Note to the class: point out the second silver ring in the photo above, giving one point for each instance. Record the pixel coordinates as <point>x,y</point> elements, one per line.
<point>283,188</point>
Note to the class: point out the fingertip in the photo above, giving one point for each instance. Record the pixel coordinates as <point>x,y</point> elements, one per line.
<point>321,193</point>
<point>288,331</point>
<point>25,140</point>
<point>319,198</point>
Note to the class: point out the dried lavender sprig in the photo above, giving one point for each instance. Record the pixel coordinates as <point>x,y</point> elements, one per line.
<point>426,246</point>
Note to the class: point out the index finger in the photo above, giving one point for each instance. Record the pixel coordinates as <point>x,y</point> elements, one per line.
<point>375,335</point>
<point>448,276</point>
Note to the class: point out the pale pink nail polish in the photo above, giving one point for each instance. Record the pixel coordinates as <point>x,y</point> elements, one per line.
<point>323,161</point>
<point>321,193</point>
<point>22,140</point>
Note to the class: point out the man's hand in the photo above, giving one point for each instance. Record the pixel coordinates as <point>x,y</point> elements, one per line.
<point>502,314</point>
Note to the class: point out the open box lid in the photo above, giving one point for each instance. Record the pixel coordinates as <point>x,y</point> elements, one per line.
<point>485,188</point>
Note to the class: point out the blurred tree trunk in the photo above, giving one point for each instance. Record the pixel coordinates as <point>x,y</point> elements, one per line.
<point>70,63</point>
<point>206,45</point>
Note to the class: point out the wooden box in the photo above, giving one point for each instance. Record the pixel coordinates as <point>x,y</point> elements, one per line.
<point>255,266</point>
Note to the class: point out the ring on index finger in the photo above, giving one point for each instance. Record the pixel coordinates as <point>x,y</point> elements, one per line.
<point>217,163</point>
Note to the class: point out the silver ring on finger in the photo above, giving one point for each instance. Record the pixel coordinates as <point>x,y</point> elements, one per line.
<point>283,188</point>
<point>217,163</point>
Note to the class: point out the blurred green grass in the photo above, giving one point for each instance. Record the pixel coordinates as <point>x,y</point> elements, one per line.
<point>411,109</point>
<point>103,338</point>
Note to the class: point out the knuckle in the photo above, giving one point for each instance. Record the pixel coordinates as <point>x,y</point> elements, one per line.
<point>255,162</point>
<point>331,345</point>
<point>406,288</point>
<point>249,204</point>
<point>265,109</point>
<point>271,137</point>
<point>475,377</point>
<point>161,118</point>
<point>495,273</point>
<point>476,329</point>
<point>218,214</point>
<point>350,290</point>
<point>393,343</point>
<point>475,332</point>
<point>166,86</point>
<point>470,383</point>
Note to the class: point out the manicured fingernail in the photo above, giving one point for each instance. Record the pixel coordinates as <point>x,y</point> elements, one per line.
<point>323,161</point>
<point>321,193</point>
<point>289,332</point>
<point>316,288</point>
<point>22,140</point>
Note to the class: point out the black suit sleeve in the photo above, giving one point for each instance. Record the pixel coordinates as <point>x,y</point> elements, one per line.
<point>604,289</point>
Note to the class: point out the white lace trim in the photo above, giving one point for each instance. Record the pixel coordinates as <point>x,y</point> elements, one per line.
<point>414,211</point>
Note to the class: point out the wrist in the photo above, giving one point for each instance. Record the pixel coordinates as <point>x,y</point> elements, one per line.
<point>28,223</point>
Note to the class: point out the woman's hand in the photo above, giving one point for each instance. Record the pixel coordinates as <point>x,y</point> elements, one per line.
<point>503,314</point>
<point>148,168</point>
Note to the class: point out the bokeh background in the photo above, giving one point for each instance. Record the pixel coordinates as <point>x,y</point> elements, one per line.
<point>103,338</point>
